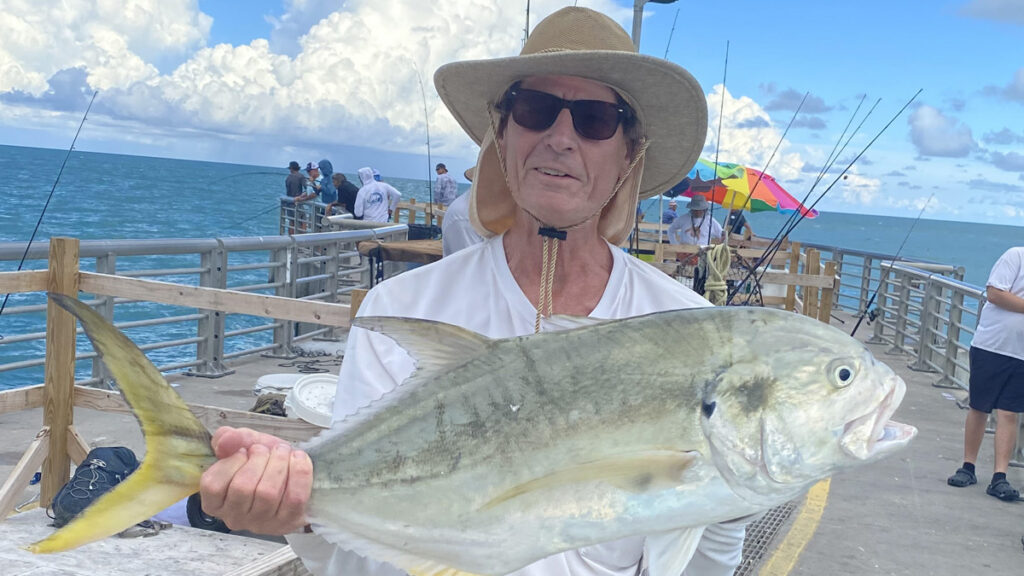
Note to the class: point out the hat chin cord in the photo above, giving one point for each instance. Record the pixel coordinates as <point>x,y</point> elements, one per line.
<point>551,234</point>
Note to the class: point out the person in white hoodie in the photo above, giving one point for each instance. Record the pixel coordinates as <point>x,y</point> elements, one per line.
<point>376,200</point>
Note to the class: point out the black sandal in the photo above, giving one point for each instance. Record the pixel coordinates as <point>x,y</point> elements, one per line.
<point>1001,489</point>
<point>962,477</point>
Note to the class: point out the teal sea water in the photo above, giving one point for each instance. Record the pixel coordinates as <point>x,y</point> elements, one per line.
<point>135,197</point>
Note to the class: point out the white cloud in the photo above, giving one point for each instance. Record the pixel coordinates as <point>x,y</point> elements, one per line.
<point>352,79</point>
<point>748,136</point>
<point>859,190</point>
<point>935,134</point>
<point>117,43</point>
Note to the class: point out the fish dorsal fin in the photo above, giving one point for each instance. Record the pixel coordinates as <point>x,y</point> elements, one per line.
<point>648,471</point>
<point>413,564</point>
<point>434,346</point>
<point>561,322</point>
<point>668,553</point>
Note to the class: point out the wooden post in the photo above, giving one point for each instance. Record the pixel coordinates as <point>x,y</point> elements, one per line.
<point>794,268</point>
<point>58,394</point>
<point>23,472</point>
<point>357,295</point>
<point>812,267</point>
<point>828,294</point>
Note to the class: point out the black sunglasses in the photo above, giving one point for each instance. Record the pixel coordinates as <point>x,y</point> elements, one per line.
<point>537,111</point>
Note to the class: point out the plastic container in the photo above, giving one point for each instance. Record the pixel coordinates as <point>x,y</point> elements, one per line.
<point>275,383</point>
<point>312,399</point>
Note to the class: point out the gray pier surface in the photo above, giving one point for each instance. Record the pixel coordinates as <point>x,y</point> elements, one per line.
<point>892,517</point>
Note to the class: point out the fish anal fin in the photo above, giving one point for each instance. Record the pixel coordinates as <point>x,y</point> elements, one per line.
<point>638,473</point>
<point>140,496</point>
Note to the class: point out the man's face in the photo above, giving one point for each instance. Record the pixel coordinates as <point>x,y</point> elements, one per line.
<point>698,214</point>
<point>672,206</point>
<point>556,174</point>
<point>314,172</point>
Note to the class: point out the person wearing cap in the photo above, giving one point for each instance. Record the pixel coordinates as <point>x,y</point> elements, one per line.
<point>572,133</point>
<point>669,215</point>
<point>697,226</point>
<point>456,229</point>
<point>314,182</point>
<point>294,182</point>
<point>447,189</point>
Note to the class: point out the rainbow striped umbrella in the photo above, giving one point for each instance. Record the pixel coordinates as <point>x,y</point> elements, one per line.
<point>737,186</point>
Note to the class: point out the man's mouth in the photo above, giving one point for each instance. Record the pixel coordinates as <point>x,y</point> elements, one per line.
<point>552,172</point>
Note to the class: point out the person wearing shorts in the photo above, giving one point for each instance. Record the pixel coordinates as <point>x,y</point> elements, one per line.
<point>997,374</point>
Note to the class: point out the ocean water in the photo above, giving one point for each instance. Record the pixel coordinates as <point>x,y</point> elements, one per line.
<point>133,197</point>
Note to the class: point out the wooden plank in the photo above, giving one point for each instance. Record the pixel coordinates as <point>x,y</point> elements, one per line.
<point>828,293</point>
<point>21,398</point>
<point>23,471</point>
<point>23,281</point>
<point>291,429</point>
<point>58,395</point>
<point>78,448</point>
<point>281,562</point>
<point>325,313</point>
<point>806,280</point>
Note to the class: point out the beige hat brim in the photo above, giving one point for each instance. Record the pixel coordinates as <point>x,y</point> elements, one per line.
<point>668,101</point>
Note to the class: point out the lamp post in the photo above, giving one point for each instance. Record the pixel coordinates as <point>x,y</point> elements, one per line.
<point>638,16</point>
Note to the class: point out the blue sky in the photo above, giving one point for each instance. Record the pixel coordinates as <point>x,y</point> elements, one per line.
<point>264,82</point>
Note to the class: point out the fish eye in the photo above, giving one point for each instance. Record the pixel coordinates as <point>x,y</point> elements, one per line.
<point>843,373</point>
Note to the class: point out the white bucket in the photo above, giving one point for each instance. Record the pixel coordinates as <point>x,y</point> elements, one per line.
<point>312,399</point>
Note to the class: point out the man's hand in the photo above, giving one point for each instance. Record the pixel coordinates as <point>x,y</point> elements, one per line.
<point>259,483</point>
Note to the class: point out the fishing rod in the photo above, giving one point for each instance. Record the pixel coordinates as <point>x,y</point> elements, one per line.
<point>776,242</point>
<point>263,172</point>
<point>254,216</point>
<point>426,121</point>
<point>50,197</point>
<point>718,145</point>
<point>803,214</point>
<point>673,31</point>
<point>885,273</point>
<point>796,216</point>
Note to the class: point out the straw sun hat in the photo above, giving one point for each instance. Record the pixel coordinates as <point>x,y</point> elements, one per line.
<point>668,102</point>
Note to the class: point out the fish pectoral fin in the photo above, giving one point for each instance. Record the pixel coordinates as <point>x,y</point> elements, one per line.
<point>141,495</point>
<point>649,471</point>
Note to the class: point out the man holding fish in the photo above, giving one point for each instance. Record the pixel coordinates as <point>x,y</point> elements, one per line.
<point>571,138</point>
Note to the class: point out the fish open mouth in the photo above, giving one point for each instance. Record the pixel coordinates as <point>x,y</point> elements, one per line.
<point>874,435</point>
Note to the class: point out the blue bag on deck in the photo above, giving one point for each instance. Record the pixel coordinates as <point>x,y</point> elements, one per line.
<point>102,469</point>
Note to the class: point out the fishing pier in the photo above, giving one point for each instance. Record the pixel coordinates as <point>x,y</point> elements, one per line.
<point>230,310</point>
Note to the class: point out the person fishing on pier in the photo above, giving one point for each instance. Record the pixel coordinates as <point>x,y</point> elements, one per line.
<point>572,132</point>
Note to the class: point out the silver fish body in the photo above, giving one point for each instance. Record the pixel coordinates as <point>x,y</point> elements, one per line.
<point>497,453</point>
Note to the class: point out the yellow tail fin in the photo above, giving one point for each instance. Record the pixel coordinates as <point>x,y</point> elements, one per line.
<point>177,444</point>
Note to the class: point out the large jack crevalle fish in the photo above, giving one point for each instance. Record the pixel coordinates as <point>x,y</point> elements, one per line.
<point>497,453</point>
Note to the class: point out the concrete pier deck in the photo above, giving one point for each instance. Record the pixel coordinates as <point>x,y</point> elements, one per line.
<point>893,517</point>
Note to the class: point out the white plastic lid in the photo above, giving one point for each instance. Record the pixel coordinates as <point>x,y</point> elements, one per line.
<point>312,398</point>
<point>280,383</point>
